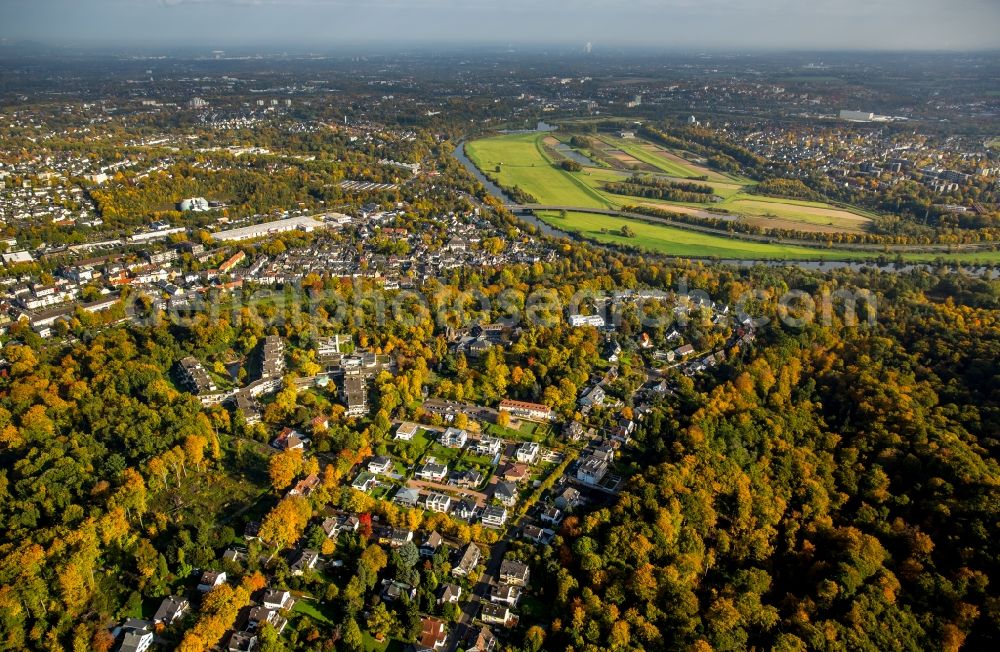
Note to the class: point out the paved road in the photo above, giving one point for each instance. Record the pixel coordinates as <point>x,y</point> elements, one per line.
<point>481,591</point>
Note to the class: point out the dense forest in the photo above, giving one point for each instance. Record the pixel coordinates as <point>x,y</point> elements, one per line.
<point>837,492</point>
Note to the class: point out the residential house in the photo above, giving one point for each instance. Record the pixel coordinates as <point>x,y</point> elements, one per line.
<point>399,537</point>
<point>449,594</point>
<point>305,486</point>
<point>514,572</point>
<point>407,497</point>
<point>137,635</point>
<point>437,502</point>
<point>431,471</point>
<point>514,472</point>
<point>288,439</point>
<point>380,464</point>
<point>431,544</point>
<point>622,432</point>
<point>260,616</point>
<point>432,635</point>
<point>552,515</point>
<point>495,614</point>
<point>306,560</point>
<point>470,478</point>
<point>242,642</point>
<point>592,470</point>
<point>528,452</point>
<point>538,535</point>
<point>573,431</point>
<point>393,590</point>
<point>481,640</point>
<point>506,493</point>
<point>211,579</point>
<point>527,411</point>
<point>454,438</point>
<point>276,599</point>
<point>171,609</point>
<point>593,397</point>
<point>569,499</point>
<point>604,451</point>
<point>463,509</point>
<point>508,594</point>
<point>406,431</point>
<point>250,530</point>
<point>488,445</point>
<point>334,525</point>
<point>494,517</point>
<point>468,560</point>
<point>365,482</point>
<point>613,351</point>
<point>331,527</point>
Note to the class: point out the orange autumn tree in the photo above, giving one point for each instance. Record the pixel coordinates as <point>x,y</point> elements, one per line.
<point>219,611</point>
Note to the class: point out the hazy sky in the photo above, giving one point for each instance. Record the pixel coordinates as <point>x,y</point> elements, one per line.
<point>689,24</point>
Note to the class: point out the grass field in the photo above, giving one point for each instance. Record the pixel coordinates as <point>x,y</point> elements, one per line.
<point>676,241</point>
<point>681,242</point>
<point>523,164</point>
<point>311,609</point>
<point>388,645</point>
<point>995,143</point>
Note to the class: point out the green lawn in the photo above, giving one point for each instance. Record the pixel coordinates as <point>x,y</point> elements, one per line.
<point>442,454</point>
<point>383,490</point>
<point>681,242</point>
<point>523,164</point>
<point>513,434</point>
<point>470,460</point>
<point>419,441</point>
<point>311,609</point>
<point>388,645</point>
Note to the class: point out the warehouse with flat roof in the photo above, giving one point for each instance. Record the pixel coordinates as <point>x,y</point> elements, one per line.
<point>301,223</point>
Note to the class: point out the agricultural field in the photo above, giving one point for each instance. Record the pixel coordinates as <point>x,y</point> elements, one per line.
<point>794,214</point>
<point>665,161</point>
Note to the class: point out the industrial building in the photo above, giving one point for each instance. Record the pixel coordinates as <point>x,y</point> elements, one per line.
<point>305,223</point>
